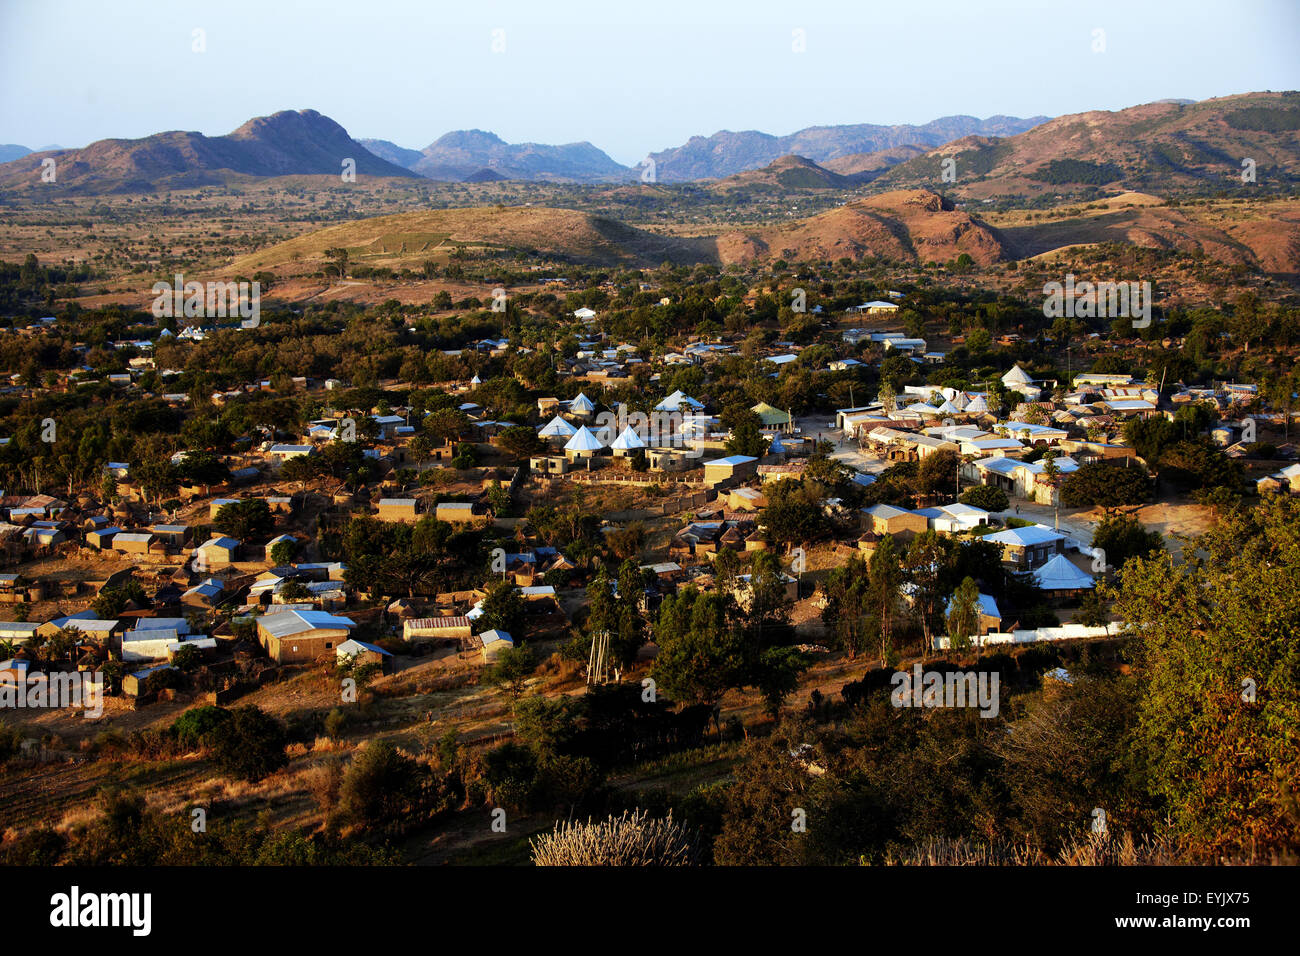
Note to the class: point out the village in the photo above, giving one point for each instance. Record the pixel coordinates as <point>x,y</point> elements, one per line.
<point>239,578</point>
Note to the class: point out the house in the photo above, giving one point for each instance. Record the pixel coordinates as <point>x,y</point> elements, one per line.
<point>171,535</point>
<point>1031,433</point>
<point>217,552</point>
<point>745,499</point>
<point>888,519</point>
<point>279,454</point>
<point>145,681</point>
<point>876,307</point>
<point>455,512</point>
<point>135,542</point>
<point>731,467</point>
<point>1060,577</point>
<point>156,644</point>
<point>495,643</point>
<point>954,518</point>
<point>102,538</point>
<point>402,510</point>
<point>19,632</point>
<point>1028,547</point>
<point>291,637</point>
<point>425,629</point>
<point>206,594</point>
<point>362,654</point>
<point>771,418</point>
<point>583,444</point>
<point>557,429</point>
<point>1285,481</point>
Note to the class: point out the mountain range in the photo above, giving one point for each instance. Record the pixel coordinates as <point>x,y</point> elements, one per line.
<point>1160,147</point>
<point>283,144</point>
<point>1163,147</point>
<point>308,143</point>
<point>725,153</point>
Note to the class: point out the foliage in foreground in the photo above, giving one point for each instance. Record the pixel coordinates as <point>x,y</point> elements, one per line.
<point>632,839</point>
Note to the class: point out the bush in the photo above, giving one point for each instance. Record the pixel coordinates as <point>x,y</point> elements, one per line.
<point>250,745</point>
<point>633,839</point>
<point>380,785</point>
<point>335,721</point>
<point>985,496</point>
<point>1104,485</point>
<point>194,729</point>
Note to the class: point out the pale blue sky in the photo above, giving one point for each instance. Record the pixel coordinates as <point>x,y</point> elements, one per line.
<point>630,77</point>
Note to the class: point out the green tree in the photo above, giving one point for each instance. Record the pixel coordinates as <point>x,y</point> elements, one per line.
<point>503,608</point>
<point>511,670</point>
<point>245,520</point>
<point>250,745</point>
<point>1100,484</point>
<point>988,497</point>
<point>964,614</point>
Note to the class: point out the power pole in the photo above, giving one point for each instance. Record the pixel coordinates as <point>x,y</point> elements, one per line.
<point>598,660</point>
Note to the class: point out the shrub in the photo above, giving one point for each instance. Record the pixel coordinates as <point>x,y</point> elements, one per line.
<point>195,727</point>
<point>987,497</point>
<point>634,839</point>
<point>249,745</point>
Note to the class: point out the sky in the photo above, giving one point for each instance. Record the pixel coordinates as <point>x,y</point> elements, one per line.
<point>630,77</point>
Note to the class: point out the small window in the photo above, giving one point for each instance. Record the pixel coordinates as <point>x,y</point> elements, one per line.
<point>328,645</point>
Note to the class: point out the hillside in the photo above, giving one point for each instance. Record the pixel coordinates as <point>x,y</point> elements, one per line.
<point>864,167</point>
<point>1158,147</point>
<point>1266,235</point>
<point>905,226</point>
<point>725,152</point>
<point>786,173</point>
<point>408,239</point>
<point>284,144</point>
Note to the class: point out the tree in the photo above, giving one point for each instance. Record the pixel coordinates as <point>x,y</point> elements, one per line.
<point>964,614</point>
<point>700,658</point>
<point>884,578</point>
<point>511,670</point>
<point>1198,464</point>
<point>380,784</point>
<point>1150,436</point>
<point>778,674</point>
<point>989,497</point>
<point>245,520</point>
<point>520,441</point>
<point>925,566</point>
<point>250,745</point>
<point>283,552</point>
<point>113,601</point>
<point>746,435</point>
<point>1220,704</point>
<point>766,604</point>
<point>1121,538</point>
<point>503,608</point>
<point>846,612</point>
<point>792,517</point>
<point>1100,484</point>
<point>936,474</point>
